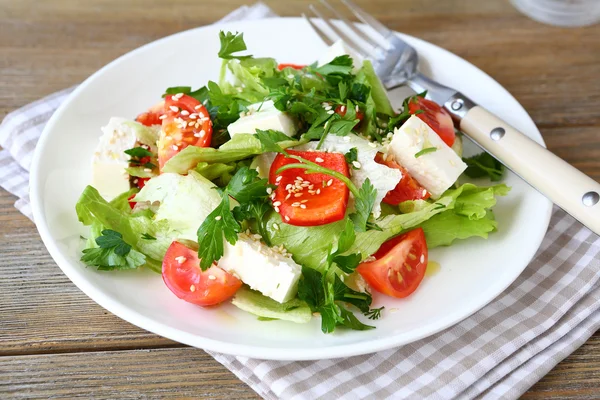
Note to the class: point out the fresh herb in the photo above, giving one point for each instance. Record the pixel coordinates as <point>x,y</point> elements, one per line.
<point>220,222</point>
<point>148,237</point>
<point>112,253</point>
<point>346,263</point>
<point>341,65</point>
<point>363,202</point>
<point>398,120</point>
<point>351,156</point>
<point>326,294</point>
<point>482,165</point>
<point>232,43</point>
<point>425,151</point>
<point>251,194</point>
<point>374,313</point>
<point>269,140</point>
<point>138,152</point>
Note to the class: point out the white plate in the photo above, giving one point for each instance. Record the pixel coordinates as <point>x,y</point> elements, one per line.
<point>472,273</point>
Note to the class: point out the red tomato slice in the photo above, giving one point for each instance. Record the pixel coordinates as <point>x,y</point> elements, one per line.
<point>152,116</point>
<point>399,265</point>
<point>407,189</point>
<point>187,123</point>
<point>182,274</point>
<point>295,66</point>
<point>436,117</point>
<point>341,111</point>
<point>131,203</point>
<point>309,199</point>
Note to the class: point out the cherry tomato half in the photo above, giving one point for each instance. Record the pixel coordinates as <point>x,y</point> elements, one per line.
<point>187,123</point>
<point>407,189</point>
<point>399,265</point>
<point>182,274</point>
<point>436,117</point>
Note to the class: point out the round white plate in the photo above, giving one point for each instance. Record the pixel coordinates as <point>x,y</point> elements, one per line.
<point>472,272</point>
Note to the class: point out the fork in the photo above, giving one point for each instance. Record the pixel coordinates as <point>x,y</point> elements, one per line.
<point>395,62</point>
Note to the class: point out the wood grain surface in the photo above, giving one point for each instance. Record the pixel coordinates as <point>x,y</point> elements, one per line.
<point>55,342</point>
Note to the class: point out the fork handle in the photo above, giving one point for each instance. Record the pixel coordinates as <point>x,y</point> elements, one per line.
<point>563,184</point>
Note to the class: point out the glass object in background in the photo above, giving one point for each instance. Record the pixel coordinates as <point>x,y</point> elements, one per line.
<point>561,12</point>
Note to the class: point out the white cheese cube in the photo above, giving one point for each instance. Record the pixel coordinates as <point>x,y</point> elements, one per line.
<point>340,48</point>
<point>262,268</point>
<point>109,161</point>
<point>436,171</point>
<point>263,116</point>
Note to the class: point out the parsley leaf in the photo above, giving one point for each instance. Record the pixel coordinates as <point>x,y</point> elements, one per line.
<point>112,253</point>
<point>351,156</point>
<point>364,203</point>
<point>138,152</point>
<point>220,222</point>
<point>231,43</point>
<point>349,320</point>
<point>251,194</point>
<point>482,165</point>
<point>268,140</point>
<point>424,151</point>
<point>341,292</point>
<point>346,263</point>
<point>341,65</point>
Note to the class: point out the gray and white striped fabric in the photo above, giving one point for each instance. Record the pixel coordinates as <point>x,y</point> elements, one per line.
<point>499,352</point>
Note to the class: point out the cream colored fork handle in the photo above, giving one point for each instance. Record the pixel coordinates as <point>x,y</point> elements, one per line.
<point>565,185</point>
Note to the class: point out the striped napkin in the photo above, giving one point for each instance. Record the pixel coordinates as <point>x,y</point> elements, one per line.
<point>498,352</point>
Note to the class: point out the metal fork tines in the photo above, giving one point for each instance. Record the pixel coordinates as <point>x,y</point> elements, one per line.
<point>394,61</point>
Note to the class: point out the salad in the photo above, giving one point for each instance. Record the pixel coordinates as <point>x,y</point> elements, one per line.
<point>293,191</point>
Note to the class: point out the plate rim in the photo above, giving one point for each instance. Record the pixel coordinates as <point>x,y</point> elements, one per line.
<point>252,351</point>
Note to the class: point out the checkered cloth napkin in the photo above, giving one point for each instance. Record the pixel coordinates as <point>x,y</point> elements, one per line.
<point>498,352</point>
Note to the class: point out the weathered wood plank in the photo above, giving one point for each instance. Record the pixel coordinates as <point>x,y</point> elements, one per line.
<point>156,373</point>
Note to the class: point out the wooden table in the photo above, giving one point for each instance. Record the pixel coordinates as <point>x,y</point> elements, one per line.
<point>54,341</point>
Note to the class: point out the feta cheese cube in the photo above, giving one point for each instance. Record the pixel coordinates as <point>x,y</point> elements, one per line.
<point>340,48</point>
<point>263,116</point>
<point>262,268</point>
<point>436,171</point>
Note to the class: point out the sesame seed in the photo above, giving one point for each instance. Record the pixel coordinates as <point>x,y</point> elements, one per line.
<point>163,116</point>
<point>191,123</point>
<point>296,204</point>
<point>343,109</point>
<point>422,258</point>
<point>278,178</point>
<point>174,108</point>
<point>272,196</point>
<point>303,201</point>
<point>147,170</point>
<point>174,147</point>
<point>298,195</point>
<point>356,164</point>
<point>318,191</point>
<point>303,206</point>
<point>330,112</point>
<point>276,227</point>
<point>185,112</point>
<point>319,159</point>
<point>287,218</point>
<point>288,196</point>
<point>327,107</point>
<point>135,180</point>
<point>202,133</point>
<point>269,190</point>
<point>277,204</point>
<point>199,106</point>
<point>330,182</point>
<point>212,277</point>
<point>356,108</point>
<point>192,288</point>
<point>299,178</point>
<point>276,209</point>
<point>424,192</point>
<point>218,218</point>
<point>180,259</point>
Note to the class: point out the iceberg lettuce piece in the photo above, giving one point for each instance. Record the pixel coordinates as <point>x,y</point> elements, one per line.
<point>185,201</point>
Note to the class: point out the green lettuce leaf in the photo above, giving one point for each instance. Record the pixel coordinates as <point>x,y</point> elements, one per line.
<point>444,228</point>
<point>468,201</point>
<point>378,92</point>
<point>241,146</point>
